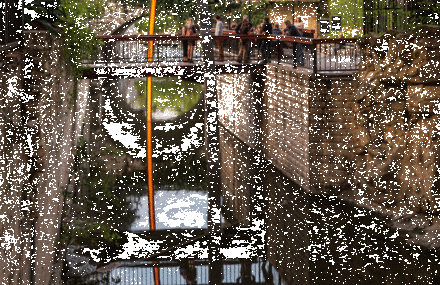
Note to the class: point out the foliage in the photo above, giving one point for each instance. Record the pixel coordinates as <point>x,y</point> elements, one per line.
<point>351,12</point>
<point>80,41</point>
<point>179,95</point>
<point>170,16</point>
<point>256,11</point>
<point>43,13</point>
<point>426,13</point>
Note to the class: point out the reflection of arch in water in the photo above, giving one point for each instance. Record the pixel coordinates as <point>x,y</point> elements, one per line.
<point>166,134</point>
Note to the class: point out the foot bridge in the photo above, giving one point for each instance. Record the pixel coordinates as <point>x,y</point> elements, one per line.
<point>123,56</point>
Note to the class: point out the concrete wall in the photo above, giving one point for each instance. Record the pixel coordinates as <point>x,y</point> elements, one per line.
<point>305,128</point>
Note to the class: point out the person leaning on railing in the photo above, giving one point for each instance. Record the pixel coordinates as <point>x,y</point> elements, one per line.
<point>278,46</point>
<point>244,28</point>
<point>266,29</point>
<point>190,30</point>
<point>297,49</point>
<point>219,32</point>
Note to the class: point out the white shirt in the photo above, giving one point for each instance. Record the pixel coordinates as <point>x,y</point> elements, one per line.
<point>219,28</point>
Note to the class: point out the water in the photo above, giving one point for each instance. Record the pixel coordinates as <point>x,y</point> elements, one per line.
<point>174,209</point>
<point>285,237</point>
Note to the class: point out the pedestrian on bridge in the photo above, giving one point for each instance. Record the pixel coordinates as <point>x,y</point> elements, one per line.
<point>297,49</point>
<point>219,32</point>
<point>244,28</point>
<point>266,45</point>
<point>190,30</point>
<point>278,46</point>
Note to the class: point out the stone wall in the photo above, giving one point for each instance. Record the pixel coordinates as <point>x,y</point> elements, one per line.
<point>307,128</point>
<point>14,232</point>
<point>239,113</point>
<point>37,148</point>
<point>396,134</point>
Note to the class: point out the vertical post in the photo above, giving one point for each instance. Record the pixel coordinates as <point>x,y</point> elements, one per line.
<point>149,118</point>
<point>149,135</point>
<point>212,134</point>
<point>256,88</point>
<point>315,58</point>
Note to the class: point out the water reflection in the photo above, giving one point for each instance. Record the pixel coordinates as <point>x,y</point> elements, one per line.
<point>172,97</point>
<point>174,209</point>
<point>294,238</point>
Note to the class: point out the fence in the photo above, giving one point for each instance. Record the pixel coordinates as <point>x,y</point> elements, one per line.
<point>317,55</point>
<point>178,273</point>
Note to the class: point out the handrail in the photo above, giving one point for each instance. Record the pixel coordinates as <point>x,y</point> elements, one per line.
<point>319,55</point>
<point>228,35</point>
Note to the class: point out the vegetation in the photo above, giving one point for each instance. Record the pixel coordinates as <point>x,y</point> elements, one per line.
<point>425,12</point>
<point>68,19</point>
<point>80,41</point>
<point>170,16</point>
<point>351,12</point>
<point>176,94</point>
<point>233,10</point>
<point>103,211</point>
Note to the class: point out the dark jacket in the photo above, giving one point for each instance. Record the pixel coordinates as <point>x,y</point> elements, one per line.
<point>243,29</point>
<point>277,32</point>
<point>293,31</point>
<point>267,28</point>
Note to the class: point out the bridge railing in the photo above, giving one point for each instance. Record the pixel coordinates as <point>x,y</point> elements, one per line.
<point>317,55</point>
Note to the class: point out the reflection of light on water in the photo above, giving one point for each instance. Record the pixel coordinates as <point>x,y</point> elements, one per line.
<point>174,209</point>
<point>166,114</point>
<point>122,132</point>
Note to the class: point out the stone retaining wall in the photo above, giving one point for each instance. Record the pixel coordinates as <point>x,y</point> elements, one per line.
<point>395,143</point>
<point>372,140</point>
<point>37,147</point>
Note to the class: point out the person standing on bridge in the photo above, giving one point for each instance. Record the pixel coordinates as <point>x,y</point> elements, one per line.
<point>219,32</point>
<point>297,50</point>
<point>244,28</point>
<point>266,45</point>
<point>190,30</point>
<point>278,46</point>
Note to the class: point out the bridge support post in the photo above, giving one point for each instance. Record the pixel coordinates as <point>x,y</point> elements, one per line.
<point>256,91</point>
<point>213,146</point>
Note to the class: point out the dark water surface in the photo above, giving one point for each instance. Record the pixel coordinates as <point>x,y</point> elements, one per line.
<point>294,238</point>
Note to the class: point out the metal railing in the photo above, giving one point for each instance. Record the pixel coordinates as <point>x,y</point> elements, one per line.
<point>177,273</point>
<point>317,55</point>
<point>11,24</point>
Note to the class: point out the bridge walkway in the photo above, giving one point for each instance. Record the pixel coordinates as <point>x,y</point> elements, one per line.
<point>128,56</point>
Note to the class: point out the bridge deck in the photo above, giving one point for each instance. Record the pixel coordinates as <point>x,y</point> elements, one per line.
<point>163,69</point>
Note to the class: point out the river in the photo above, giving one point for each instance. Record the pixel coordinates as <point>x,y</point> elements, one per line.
<point>286,236</point>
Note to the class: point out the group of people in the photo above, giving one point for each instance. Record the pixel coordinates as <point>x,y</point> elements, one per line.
<point>265,45</point>
<point>246,28</point>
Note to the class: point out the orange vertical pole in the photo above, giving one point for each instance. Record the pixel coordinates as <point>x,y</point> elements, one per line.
<point>150,157</point>
<point>149,116</point>
<point>149,135</point>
